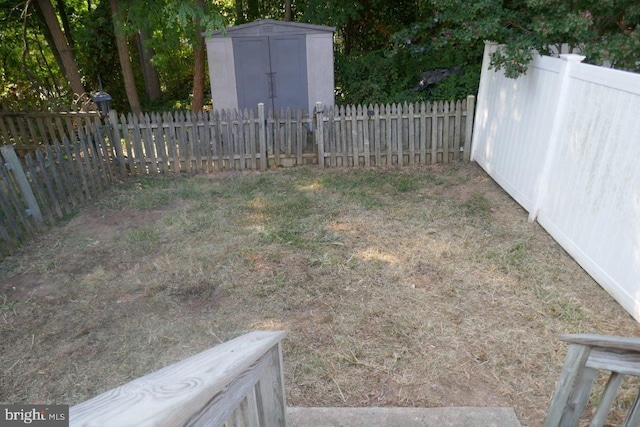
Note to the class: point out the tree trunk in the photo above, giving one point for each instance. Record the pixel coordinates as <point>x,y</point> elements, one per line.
<point>253,10</point>
<point>287,10</point>
<point>149,71</point>
<point>198,65</point>
<point>239,12</point>
<point>65,23</point>
<point>125,62</point>
<point>70,68</point>
<point>47,35</point>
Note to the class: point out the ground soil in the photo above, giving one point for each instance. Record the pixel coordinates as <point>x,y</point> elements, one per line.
<point>440,293</point>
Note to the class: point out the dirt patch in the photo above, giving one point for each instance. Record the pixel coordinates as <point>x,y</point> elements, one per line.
<point>414,287</point>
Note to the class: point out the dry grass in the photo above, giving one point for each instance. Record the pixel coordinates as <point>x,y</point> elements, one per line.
<point>423,287</point>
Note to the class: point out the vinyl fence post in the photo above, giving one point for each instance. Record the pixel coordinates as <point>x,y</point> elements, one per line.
<point>556,127</point>
<point>9,155</point>
<point>481,106</point>
<point>262,132</point>
<point>320,133</point>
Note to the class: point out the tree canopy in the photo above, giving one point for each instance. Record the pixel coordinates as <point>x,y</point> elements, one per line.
<point>605,31</point>
<point>381,45</point>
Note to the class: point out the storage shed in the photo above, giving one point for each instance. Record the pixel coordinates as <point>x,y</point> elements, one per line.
<point>281,64</point>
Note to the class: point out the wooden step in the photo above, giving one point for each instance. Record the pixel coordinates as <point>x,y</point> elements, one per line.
<point>405,417</point>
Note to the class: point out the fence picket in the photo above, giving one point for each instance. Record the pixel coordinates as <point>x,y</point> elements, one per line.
<point>422,132</point>
<point>84,154</point>
<point>53,135</point>
<point>216,144</point>
<point>17,137</point>
<point>229,141</point>
<point>366,144</point>
<point>65,204</point>
<point>434,132</point>
<point>375,111</point>
<point>150,158</point>
<point>288,133</point>
<point>4,132</point>
<point>445,133</point>
<point>396,132</point>
<point>73,165</point>
<point>242,142</point>
<point>412,133</point>
<point>70,129</point>
<point>159,143</point>
<point>81,172</point>
<point>194,146</point>
<point>169,129</point>
<point>300,137</point>
<point>18,204</point>
<point>276,136</point>
<point>331,136</point>
<point>11,162</point>
<point>38,191</point>
<point>115,142</point>
<point>353,136</point>
<point>128,145</point>
<point>9,206</point>
<point>93,147</point>
<point>136,146</point>
<point>207,136</point>
<point>44,139</point>
<point>179,135</point>
<point>457,129</point>
<point>109,162</point>
<point>66,179</point>
<point>32,131</point>
<point>22,131</point>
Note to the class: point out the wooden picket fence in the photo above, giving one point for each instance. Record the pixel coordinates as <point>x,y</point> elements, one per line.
<point>49,183</point>
<point>29,132</point>
<point>54,163</point>
<point>351,136</point>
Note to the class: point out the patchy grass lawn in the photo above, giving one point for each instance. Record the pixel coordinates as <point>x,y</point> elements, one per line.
<point>421,287</point>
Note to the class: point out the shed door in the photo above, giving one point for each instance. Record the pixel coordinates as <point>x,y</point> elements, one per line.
<point>272,70</point>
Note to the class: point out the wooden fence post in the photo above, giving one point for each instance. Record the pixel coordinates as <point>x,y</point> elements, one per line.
<point>320,133</point>
<point>468,129</point>
<point>12,160</point>
<point>262,131</point>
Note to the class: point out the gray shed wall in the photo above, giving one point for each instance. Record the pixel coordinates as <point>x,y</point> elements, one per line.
<point>319,61</point>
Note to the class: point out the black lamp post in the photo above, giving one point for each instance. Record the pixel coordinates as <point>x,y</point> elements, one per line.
<point>102,100</point>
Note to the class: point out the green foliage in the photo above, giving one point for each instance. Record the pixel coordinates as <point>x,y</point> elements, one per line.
<point>390,75</point>
<point>605,31</point>
<point>97,54</point>
<point>381,46</point>
<point>172,36</point>
<point>29,75</point>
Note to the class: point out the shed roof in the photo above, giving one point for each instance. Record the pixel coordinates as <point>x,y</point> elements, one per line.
<point>267,27</point>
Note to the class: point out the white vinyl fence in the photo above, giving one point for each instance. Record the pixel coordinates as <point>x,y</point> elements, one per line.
<point>564,141</point>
